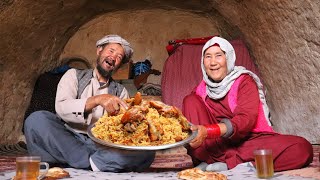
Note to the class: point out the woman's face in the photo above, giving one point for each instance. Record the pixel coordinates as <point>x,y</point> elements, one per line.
<point>215,63</point>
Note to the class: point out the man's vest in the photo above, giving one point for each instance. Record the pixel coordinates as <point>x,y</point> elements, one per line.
<point>84,78</point>
<point>261,124</point>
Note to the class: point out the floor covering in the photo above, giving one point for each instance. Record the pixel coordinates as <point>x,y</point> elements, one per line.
<point>246,171</point>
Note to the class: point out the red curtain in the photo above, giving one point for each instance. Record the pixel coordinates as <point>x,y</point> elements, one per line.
<point>174,44</point>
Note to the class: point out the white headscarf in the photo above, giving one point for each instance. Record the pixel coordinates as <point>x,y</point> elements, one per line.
<point>220,89</point>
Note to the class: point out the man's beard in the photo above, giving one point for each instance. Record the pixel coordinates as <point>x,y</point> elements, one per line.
<point>106,74</point>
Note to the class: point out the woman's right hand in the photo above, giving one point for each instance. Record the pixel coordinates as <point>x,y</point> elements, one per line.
<point>201,136</point>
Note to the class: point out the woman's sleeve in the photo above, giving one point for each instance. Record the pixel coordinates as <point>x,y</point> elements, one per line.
<point>194,109</point>
<point>246,111</point>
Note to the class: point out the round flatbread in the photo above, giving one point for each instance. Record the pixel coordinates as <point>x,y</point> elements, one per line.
<point>197,174</point>
<point>56,173</point>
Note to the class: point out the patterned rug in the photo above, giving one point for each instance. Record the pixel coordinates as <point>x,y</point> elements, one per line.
<point>8,153</point>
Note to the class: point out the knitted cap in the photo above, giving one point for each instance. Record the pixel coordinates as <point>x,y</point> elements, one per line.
<point>117,39</point>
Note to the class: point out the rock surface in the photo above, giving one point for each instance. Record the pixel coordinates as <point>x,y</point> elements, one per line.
<point>282,37</point>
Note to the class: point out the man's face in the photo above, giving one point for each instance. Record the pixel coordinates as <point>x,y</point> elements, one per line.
<point>109,59</point>
<point>215,63</point>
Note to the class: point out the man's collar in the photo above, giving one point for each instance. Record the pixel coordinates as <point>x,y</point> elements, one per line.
<point>97,75</point>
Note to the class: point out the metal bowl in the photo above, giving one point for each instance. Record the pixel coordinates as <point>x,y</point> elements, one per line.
<point>192,135</point>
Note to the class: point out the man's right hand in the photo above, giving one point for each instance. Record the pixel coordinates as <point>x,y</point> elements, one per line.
<point>109,102</point>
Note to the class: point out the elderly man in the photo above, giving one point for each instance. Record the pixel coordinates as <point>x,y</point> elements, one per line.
<point>82,97</point>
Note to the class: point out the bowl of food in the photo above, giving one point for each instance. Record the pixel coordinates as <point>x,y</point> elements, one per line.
<point>145,125</point>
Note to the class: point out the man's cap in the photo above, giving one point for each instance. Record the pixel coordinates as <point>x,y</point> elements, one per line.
<point>128,51</point>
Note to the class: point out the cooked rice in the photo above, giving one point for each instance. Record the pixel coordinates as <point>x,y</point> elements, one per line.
<point>110,129</point>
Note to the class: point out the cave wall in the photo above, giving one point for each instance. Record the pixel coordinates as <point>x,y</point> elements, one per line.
<point>281,35</point>
<point>284,40</point>
<point>148,31</point>
<point>32,35</point>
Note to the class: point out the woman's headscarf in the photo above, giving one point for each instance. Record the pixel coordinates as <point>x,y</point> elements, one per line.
<point>219,90</point>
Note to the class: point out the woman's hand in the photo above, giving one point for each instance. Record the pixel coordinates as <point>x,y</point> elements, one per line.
<point>201,136</point>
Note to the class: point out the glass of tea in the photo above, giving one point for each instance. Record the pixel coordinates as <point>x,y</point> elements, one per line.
<point>29,168</point>
<point>264,163</point>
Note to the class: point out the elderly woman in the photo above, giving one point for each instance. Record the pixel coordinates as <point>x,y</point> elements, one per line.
<point>230,112</point>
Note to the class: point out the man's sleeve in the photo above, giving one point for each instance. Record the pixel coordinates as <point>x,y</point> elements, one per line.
<point>68,107</point>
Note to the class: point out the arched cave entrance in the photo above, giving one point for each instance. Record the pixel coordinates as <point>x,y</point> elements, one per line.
<point>281,36</point>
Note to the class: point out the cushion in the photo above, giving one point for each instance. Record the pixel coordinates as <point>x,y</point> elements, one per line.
<point>175,158</point>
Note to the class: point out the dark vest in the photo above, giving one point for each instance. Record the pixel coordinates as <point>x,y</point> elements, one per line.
<point>84,77</point>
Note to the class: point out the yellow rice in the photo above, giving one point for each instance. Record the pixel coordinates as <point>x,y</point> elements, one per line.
<point>110,129</point>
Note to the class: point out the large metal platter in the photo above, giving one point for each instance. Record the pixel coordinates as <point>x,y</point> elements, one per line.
<point>192,135</point>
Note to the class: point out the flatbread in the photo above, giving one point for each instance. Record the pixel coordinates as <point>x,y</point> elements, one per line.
<point>197,174</point>
<point>56,173</point>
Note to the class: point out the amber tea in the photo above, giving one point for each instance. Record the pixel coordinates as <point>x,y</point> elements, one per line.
<point>28,168</point>
<point>264,163</point>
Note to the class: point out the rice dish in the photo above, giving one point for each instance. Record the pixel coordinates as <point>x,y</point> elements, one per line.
<point>111,129</point>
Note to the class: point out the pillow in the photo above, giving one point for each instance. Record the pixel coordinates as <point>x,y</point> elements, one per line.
<point>173,159</point>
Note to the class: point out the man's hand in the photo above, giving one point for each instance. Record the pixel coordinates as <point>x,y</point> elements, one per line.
<point>109,102</point>
<point>201,136</point>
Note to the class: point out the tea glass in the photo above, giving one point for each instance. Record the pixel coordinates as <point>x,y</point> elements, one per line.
<point>264,163</point>
<point>29,168</point>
